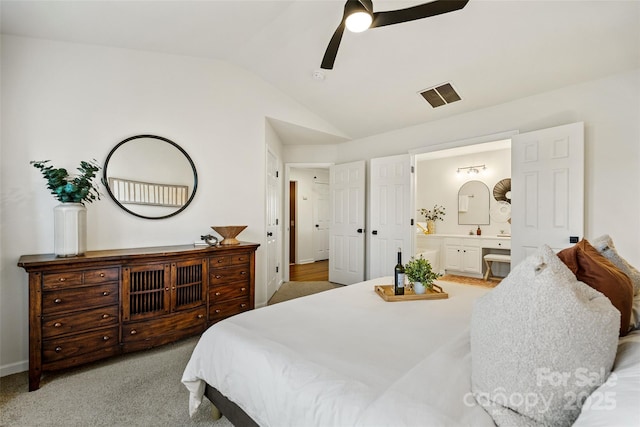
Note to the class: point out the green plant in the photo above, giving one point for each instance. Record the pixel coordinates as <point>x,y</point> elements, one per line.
<point>77,188</point>
<point>419,270</point>
<point>435,214</point>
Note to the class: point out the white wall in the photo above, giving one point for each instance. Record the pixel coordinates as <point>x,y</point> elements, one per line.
<point>610,109</point>
<point>70,102</point>
<point>437,183</point>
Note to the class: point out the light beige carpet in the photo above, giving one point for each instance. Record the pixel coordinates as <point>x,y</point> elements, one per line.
<point>139,389</point>
<point>290,290</point>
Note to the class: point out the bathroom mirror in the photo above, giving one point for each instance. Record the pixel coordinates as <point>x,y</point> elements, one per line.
<point>150,177</point>
<point>473,203</point>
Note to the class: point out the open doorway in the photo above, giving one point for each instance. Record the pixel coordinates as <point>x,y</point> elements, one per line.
<point>440,179</point>
<point>308,222</point>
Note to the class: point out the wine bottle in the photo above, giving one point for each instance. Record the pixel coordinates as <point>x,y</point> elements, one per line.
<point>398,285</point>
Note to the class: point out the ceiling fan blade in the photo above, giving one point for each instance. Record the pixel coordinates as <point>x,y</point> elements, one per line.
<point>332,50</point>
<point>437,7</point>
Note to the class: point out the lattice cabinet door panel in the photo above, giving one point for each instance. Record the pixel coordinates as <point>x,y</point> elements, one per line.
<point>188,288</point>
<point>146,291</point>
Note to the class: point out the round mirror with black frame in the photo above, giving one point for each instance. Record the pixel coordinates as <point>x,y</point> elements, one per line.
<point>150,177</point>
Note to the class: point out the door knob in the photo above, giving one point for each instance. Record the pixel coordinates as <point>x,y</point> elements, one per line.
<point>359,230</point>
<point>269,234</point>
<point>374,232</point>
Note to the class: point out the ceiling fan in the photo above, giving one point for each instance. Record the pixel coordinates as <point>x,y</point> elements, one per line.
<point>359,16</point>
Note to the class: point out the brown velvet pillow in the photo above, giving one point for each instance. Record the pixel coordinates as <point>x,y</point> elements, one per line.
<point>595,270</point>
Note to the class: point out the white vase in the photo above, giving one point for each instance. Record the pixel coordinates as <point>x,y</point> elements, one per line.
<point>419,288</point>
<point>70,229</point>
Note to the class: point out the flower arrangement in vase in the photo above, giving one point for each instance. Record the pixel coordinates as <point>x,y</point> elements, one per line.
<point>70,217</point>
<point>433,215</point>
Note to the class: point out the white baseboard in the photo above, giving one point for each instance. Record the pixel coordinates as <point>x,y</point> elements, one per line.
<point>14,368</point>
<point>307,261</point>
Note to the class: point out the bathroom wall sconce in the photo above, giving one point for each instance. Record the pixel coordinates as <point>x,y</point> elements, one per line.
<point>473,169</point>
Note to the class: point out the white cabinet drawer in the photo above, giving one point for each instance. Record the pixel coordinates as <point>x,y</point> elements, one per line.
<point>497,243</point>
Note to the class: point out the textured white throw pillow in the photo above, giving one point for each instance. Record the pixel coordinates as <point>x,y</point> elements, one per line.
<point>541,342</point>
<point>604,245</point>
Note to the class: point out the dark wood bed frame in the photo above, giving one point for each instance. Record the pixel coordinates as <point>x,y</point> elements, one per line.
<point>230,410</point>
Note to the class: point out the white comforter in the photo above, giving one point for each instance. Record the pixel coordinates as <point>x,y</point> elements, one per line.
<point>344,358</point>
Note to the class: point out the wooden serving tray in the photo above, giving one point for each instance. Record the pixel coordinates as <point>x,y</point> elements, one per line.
<point>387,293</point>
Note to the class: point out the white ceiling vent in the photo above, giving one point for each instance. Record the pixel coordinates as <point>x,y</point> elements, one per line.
<point>440,95</point>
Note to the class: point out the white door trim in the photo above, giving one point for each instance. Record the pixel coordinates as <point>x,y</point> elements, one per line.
<point>464,142</point>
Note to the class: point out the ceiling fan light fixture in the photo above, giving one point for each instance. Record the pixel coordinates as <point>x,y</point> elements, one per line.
<point>358,21</point>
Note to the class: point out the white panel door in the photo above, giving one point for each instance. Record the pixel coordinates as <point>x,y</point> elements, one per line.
<point>346,232</point>
<point>273,273</point>
<point>321,220</point>
<point>389,209</point>
<point>547,187</point>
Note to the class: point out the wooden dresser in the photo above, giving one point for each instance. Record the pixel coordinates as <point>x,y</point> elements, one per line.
<point>105,303</point>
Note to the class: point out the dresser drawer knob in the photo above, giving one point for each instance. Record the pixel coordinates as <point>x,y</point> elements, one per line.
<point>217,294</point>
<point>62,279</point>
<point>58,349</point>
<point>200,316</point>
<point>219,261</point>
<point>217,310</point>
<point>105,316</point>
<point>101,274</point>
<point>57,300</point>
<point>243,273</point>
<point>243,289</point>
<point>105,294</point>
<point>133,332</point>
<point>243,305</point>
<point>57,325</point>
<point>166,289</point>
<point>218,276</point>
<point>105,338</point>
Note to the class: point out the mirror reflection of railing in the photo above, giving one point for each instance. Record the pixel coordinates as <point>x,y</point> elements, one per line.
<point>148,193</point>
<point>150,176</point>
<point>473,203</point>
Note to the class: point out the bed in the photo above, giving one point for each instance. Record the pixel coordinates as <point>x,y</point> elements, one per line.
<point>348,358</point>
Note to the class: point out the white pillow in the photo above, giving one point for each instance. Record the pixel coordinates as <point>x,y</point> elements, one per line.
<point>615,403</point>
<point>541,342</point>
<point>604,245</point>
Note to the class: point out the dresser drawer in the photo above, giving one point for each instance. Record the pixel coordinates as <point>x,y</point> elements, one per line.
<point>78,345</point>
<point>222,276</point>
<point>218,311</point>
<point>78,278</point>
<point>227,292</point>
<point>58,280</point>
<point>241,258</point>
<point>219,261</point>
<point>54,325</point>
<point>79,298</point>
<point>102,276</point>
<point>156,329</point>
<point>226,260</point>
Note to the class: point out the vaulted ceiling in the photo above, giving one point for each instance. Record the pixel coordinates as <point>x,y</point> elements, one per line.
<point>491,51</point>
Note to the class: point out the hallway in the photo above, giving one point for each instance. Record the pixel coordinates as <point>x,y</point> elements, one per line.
<point>315,271</point>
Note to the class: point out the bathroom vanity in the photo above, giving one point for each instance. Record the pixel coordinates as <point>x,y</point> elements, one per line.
<point>462,254</point>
